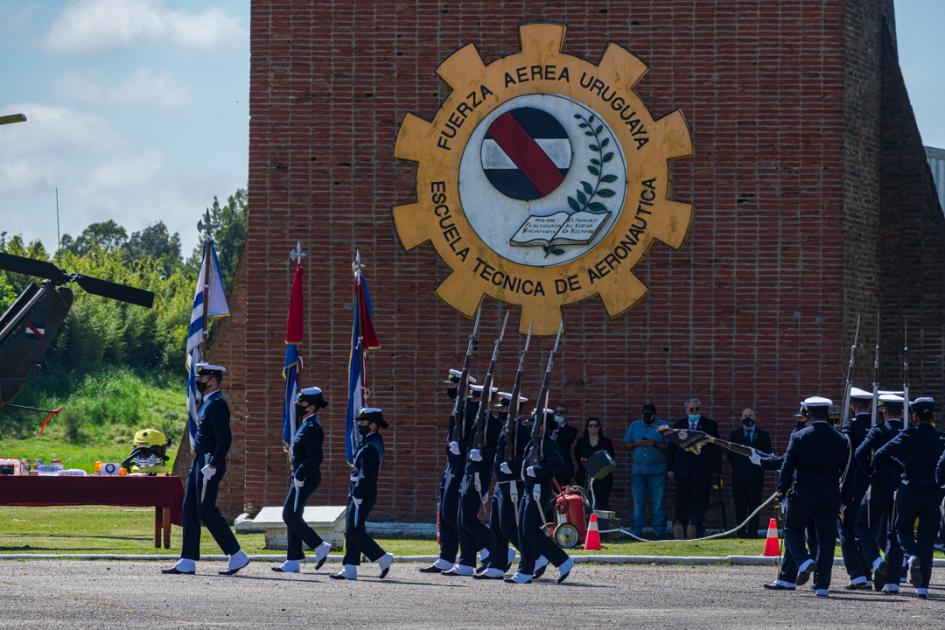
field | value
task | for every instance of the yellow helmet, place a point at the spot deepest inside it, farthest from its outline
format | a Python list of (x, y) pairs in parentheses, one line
[(150, 437)]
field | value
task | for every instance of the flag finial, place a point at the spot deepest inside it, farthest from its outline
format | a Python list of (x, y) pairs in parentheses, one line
[(297, 254), (356, 266), (205, 224)]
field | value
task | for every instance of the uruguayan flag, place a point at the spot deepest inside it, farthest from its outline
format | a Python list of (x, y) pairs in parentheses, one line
[(216, 297)]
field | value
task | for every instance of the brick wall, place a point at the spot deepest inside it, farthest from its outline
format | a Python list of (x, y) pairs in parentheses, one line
[(749, 312)]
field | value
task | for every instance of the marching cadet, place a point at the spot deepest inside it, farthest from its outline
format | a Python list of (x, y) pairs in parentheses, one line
[(456, 450), (814, 462), (211, 445), (542, 460), (919, 448), (875, 522), (306, 451), (856, 427), (474, 535), (362, 496), (503, 515)]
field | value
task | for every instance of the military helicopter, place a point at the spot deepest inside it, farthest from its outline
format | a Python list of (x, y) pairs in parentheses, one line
[(33, 320)]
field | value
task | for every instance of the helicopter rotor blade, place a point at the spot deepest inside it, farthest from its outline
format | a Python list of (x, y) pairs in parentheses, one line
[(115, 291), (31, 267)]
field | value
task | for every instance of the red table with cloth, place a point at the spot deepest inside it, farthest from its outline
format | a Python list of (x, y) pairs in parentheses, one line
[(166, 494)]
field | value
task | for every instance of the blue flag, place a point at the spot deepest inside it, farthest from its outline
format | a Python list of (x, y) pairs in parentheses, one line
[(363, 338), (290, 371)]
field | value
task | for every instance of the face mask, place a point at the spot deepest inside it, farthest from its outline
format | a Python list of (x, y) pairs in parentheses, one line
[(694, 417), (559, 418), (300, 411), (748, 422), (364, 429), (647, 418), (202, 386), (451, 392)]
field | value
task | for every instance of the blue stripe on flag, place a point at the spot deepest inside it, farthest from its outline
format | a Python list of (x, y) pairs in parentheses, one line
[(192, 423), (354, 391), (291, 374)]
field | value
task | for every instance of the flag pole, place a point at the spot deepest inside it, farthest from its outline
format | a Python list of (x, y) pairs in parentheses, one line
[(205, 226)]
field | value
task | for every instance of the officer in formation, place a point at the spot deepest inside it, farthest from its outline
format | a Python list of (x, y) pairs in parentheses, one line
[(362, 496), (211, 446), (306, 452), (814, 463), (456, 448), (542, 460), (503, 513), (855, 428), (919, 449)]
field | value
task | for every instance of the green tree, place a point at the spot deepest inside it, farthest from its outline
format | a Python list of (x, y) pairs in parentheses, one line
[(107, 235), (155, 243)]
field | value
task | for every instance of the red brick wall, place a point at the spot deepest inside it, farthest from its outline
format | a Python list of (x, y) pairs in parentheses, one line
[(749, 312)]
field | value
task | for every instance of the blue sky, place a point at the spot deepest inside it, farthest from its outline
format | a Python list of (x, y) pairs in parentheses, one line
[(138, 109)]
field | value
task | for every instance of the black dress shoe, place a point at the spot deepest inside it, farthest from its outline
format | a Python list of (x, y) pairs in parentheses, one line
[(804, 576), (539, 572), (774, 586), (176, 571), (431, 569), (234, 571), (879, 575)]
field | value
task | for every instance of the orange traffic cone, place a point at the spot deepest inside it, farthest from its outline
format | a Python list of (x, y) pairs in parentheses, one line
[(772, 543), (592, 539)]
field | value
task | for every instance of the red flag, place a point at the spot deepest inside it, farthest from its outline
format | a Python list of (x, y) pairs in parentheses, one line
[(369, 339), (294, 324)]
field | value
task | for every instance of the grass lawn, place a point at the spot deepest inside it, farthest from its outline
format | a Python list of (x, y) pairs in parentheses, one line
[(130, 530)]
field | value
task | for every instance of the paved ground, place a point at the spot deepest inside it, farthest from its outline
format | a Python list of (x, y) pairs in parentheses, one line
[(76, 594)]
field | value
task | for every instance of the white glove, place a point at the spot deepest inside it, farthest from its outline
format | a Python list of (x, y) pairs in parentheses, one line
[(208, 472), (356, 500), (475, 455), (298, 483), (504, 467), (454, 448), (530, 471), (784, 507), (755, 458), (536, 493)]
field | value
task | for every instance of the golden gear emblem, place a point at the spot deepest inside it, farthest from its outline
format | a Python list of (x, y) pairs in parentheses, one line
[(543, 179)]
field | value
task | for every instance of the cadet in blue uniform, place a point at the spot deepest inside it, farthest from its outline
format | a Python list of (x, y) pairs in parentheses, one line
[(503, 515), (448, 508), (856, 427), (362, 496), (875, 522), (212, 443), (919, 448), (306, 450), (474, 535), (541, 462), (814, 462)]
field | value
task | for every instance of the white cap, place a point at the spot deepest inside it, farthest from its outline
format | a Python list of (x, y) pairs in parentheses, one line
[(896, 392), (479, 388), (505, 399), (203, 366), (311, 391), (455, 375), (816, 401), (923, 400), (895, 399), (860, 394)]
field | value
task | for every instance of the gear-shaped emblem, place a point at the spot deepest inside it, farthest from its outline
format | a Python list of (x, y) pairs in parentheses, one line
[(543, 179)]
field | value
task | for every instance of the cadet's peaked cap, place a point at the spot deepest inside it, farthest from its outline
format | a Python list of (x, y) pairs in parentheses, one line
[(892, 399), (860, 394), (313, 395), (897, 392), (505, 399), (455, 375), (923, 403), (203, 367), (816, 401), (478, 388), (373, 414)]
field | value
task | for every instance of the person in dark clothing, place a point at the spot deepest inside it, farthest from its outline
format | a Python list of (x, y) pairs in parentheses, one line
[(211, 446), (306, 452), (564, 435), (921, 449), (541, 461), (456, 448), (747, 479), (875, 525), (592, 441), (362, 496), (855, 428), (813, 466), (694, 474)]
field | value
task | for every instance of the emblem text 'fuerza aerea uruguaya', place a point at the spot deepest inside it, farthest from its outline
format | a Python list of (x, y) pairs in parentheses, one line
[(543, 179)]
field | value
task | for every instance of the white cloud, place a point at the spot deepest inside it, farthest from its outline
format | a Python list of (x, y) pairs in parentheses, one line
[(125, 171), (23, 175), (142, 87), (55, 129), (97, 25)]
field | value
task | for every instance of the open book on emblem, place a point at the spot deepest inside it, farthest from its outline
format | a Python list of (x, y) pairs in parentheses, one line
[(560, 228)]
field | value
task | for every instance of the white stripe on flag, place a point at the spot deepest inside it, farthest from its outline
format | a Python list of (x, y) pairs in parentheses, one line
[(216, 299), (558, 149)]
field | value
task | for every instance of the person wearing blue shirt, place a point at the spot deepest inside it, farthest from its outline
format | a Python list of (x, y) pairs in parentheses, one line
[(649, 469)]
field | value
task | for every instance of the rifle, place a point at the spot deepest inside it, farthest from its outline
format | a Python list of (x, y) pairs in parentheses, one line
[(459, 409), (874, 409), (538, 426), (905, 375), (845, 414), (482, 415), (511, 423), (693, 441)]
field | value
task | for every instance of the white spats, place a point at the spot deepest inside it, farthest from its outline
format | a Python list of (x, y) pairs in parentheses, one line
[(186, 565), (290, 566), (384, 562)]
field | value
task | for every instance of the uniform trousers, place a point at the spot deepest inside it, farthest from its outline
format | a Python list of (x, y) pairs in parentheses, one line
[(449, 515), (473, 533), (357, 540), (818, 503), (850, 547), (692, 501), (875, 528), (206, 512), (298, 530), (503, 523), (533, 540), (918, 501)]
